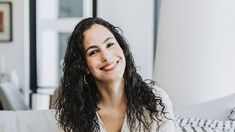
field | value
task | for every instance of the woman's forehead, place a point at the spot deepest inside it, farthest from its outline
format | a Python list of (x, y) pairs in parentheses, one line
[(96, 34), (97, 29)]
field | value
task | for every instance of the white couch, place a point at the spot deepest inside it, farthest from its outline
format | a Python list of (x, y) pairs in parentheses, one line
[(44, 121), (28, 121)]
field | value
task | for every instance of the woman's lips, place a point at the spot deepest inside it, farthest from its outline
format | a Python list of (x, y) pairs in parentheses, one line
[(109, 66)]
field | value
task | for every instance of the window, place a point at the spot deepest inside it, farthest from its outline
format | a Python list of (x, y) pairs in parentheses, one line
[(55, 22)]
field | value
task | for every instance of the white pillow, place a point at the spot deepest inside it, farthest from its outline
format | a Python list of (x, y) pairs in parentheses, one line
[(217, 109)]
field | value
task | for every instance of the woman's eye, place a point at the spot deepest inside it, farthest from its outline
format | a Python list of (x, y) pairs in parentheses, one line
[(110, 44), (94, 52)]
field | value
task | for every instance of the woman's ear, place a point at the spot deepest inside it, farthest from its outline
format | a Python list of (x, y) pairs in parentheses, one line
[(88, 71)]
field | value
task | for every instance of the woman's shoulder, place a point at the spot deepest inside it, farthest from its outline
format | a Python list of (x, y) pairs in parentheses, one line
[(160, 92), (169, 125)]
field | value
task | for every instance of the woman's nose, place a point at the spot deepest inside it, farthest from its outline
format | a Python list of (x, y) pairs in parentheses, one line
[(106, 55)]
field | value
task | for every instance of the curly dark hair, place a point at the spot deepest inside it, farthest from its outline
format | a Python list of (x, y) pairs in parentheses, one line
[(77, 101)]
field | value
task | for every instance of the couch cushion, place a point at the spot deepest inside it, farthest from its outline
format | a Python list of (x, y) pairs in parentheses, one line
[(28, 121), (7, 121)]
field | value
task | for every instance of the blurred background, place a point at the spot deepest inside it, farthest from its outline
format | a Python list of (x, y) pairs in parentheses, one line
[(187, 46)]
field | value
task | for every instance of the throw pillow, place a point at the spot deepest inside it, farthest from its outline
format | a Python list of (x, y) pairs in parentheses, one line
[(205, 125), (232, 115)]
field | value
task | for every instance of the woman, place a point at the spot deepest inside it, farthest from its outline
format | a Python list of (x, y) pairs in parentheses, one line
[(101, 90)]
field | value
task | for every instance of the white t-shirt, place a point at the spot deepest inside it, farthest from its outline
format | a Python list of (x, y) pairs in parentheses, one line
[(167, 126)]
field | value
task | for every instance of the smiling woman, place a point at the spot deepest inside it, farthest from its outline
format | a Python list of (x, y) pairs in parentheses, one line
[(101, 89)]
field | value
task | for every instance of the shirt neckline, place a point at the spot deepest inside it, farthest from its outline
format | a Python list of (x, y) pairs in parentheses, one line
[(124, 125)]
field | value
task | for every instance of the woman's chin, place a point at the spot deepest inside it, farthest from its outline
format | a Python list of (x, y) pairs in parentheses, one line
[(110, 78)]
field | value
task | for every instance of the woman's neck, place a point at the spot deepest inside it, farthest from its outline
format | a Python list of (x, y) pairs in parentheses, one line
[(112, 94)]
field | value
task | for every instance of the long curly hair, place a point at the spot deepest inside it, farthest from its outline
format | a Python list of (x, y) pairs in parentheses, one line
[(76, 105)]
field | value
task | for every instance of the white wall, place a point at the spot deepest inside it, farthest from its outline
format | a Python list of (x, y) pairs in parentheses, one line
[(196, 49), (14, 51), (135, 18)]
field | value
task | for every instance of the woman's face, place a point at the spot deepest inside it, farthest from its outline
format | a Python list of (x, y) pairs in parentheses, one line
[(104, 56)]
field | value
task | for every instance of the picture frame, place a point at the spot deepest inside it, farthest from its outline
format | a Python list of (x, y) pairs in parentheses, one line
[(5, 21)]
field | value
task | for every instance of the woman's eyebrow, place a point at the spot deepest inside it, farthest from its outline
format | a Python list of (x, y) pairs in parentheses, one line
[(94, 46), (107, 39), (91, 47)]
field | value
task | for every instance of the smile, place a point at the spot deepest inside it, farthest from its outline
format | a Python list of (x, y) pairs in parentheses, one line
[(109, 66)]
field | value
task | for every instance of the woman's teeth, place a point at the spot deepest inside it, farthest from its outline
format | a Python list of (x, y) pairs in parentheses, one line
[(109, 67)]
